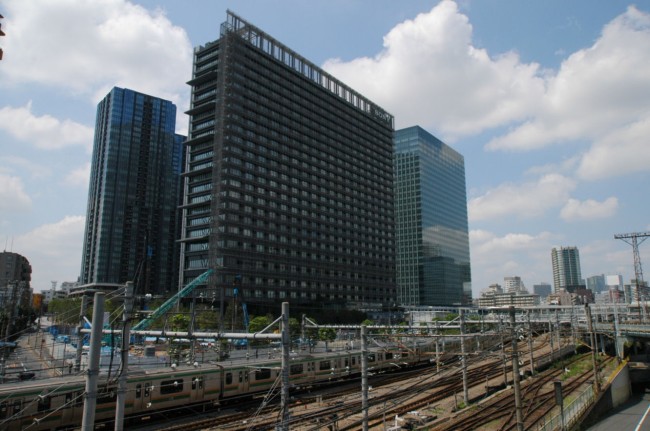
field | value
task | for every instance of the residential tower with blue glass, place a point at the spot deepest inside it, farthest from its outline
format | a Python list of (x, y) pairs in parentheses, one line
[(134, 193)]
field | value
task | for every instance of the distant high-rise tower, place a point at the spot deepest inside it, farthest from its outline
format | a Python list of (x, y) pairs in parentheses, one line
[(288, 183), (566, 268), (513, 284), (131, 221), (433, 266)]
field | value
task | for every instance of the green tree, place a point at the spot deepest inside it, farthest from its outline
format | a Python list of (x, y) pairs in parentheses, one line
[(207, 319), (258, 323), (179, 322), (326, 334)]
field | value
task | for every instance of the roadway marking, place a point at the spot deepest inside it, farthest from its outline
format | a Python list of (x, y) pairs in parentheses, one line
[(638, 427)]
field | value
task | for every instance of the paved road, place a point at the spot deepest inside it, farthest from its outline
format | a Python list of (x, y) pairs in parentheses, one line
[(631, 416)]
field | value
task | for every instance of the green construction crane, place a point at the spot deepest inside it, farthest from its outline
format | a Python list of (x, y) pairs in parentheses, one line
[(144, 323)]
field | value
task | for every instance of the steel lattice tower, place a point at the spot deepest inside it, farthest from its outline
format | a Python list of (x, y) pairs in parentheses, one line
[(634, 239)]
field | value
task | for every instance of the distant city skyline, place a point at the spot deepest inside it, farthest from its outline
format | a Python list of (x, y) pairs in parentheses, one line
[(547, 101)]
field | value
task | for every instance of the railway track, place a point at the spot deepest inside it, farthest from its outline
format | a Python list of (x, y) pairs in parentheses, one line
[(537, 400), (406, 391)]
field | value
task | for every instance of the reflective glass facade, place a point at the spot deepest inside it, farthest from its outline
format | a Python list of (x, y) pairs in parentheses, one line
[(433, 265), (288, 180), (133, 197)]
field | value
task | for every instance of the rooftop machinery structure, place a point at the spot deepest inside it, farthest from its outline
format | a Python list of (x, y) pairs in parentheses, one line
[(633, 240)]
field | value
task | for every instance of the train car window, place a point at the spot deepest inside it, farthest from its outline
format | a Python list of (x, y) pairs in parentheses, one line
[(68, 398), (347, 362), (263, 374), (405, 354), (354, 360), (44, 403), (18, 406), (241, 376), (106, 397), (79, 399), (3, 410), (228, 378), (171, 386), (195, 380), (371, 357), (138, 390), (324, 365), (200, 382), (245, 376), (147, 390), (389, 355), (296, 369)]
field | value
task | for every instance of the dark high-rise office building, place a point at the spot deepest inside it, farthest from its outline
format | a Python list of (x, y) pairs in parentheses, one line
[(131, 220), (288, 181), (433, 266)]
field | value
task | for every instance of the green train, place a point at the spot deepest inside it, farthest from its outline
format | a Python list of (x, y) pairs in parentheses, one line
[(58, 403)]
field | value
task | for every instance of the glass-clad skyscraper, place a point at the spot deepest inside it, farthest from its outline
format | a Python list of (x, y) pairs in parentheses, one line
[(433, 266), (288, 180), (133, 197)]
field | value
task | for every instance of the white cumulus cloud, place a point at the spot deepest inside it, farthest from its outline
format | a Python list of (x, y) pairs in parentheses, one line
[(531, 199), (576, 210), (90, 46), (430, 74), (53, 250), (78, 177), (12, 195), (603, 90), (622, 151), (512, 254), (44, 132)]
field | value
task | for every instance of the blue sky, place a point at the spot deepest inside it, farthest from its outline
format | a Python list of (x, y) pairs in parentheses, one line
[(549, 102)]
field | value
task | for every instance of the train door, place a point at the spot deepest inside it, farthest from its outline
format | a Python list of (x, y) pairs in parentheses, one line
[(243, 381), (197, 388), (68, 408), (142, 397)]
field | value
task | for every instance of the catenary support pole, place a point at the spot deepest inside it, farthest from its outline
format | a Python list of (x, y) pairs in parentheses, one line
[(463, 357), (364, 377), (80, 339), (88, 419), (594, 348), (530, 345), (284, 397), (124, 356), (515, 371), (503, 353), (437, 347)]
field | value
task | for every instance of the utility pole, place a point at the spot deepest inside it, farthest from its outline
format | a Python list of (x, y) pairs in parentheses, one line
[(515, 371), (88, 419), (82, 314), (124, 354)]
